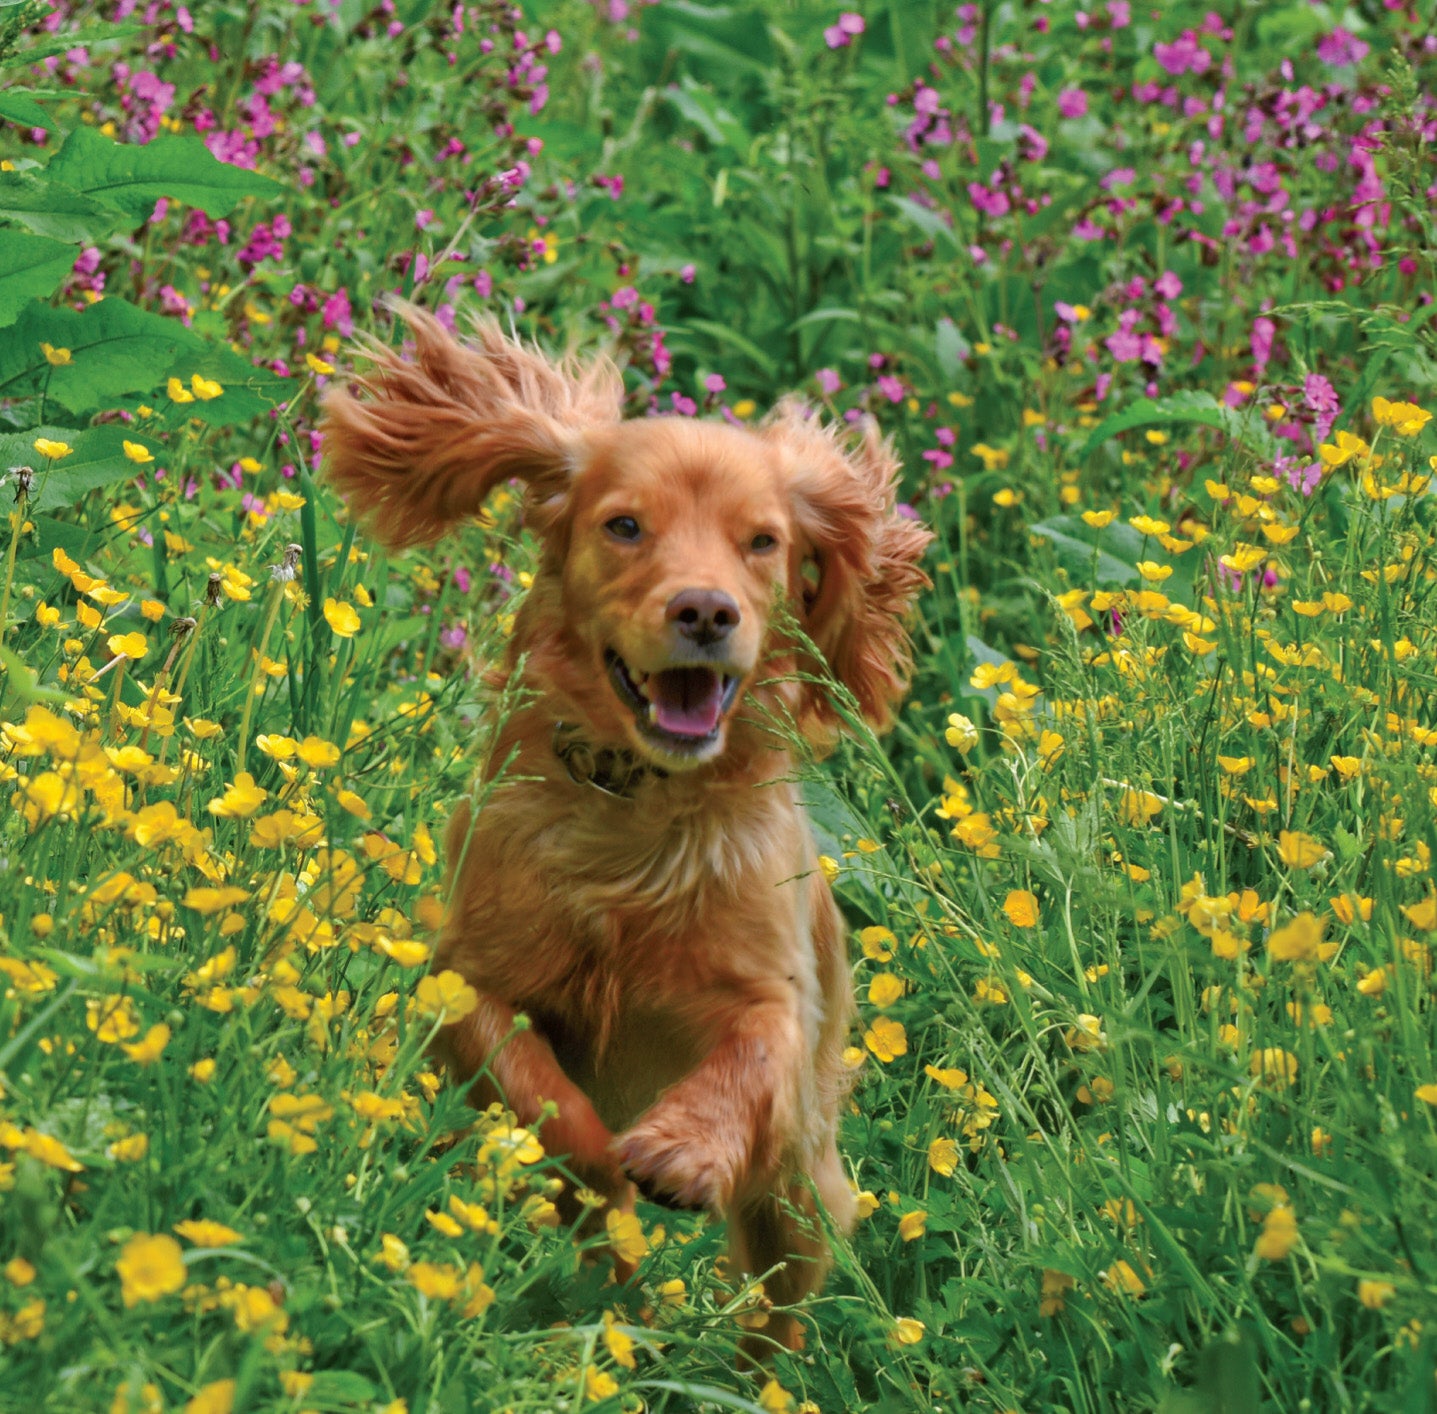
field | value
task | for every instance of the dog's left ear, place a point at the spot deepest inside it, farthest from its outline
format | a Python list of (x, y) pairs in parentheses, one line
[(417, 443), (865, 556)]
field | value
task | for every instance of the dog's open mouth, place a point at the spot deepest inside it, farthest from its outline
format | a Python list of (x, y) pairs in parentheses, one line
[(681, 708)]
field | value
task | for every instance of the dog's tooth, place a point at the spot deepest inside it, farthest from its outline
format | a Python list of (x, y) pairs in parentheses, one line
[(653, 712)]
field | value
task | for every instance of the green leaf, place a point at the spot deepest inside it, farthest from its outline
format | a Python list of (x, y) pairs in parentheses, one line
[(929, 222), (1092, 557), (115, 347), (17, 105), (63, 43), (249, 391), (97, 458), (30, 268), (952, 348), (135, 177), (720, 40), (700, 1393), (77, 541), (723, 334), (340, 1387), (21, 680), (1186, 407), (50, 208)]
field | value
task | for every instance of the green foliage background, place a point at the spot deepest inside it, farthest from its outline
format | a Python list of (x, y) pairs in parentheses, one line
[(1141, 883)]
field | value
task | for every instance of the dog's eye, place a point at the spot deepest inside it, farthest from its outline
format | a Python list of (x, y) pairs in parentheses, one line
[(623, 528), (760, 543)]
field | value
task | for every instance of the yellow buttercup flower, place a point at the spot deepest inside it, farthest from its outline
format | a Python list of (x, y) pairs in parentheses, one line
[(49, 1151), (887, 1039), (151, 1267), (127, 645), (204, 1232), (341, 618), (1123, 1280), (1297, 941), (1274, 1067), (1279, 1234), (950, 1079), (619, 1342), (446, 993), (1021, 906), (960, 733), (1375, 1294), (1406, 419), (943, 1157), (137, 452), (885, 989), (1299, 851), (218, 1397), (150, 1046), (52, 450), (626, 1236), (1343, 449), (239, 801)]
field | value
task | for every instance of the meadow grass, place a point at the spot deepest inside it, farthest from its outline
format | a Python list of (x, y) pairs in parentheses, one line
[(1145, 1073)]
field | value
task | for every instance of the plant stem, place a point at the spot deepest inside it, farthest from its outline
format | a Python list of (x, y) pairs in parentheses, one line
[(276, 594)]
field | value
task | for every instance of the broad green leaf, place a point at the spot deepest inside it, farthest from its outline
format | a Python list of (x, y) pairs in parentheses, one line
[(115, 349), (1092, 557), (340, 1387), (249, 391), (30, 268), (97, 458), (991, 151), (77, 541), (17, 105), (50, 208), (136, 176), (706, 113), (700, 1394), (1186, 407), (728, 41), (118, 351), (725, 335), (62, 43), (952, 348), (21, 679), (929, 222)]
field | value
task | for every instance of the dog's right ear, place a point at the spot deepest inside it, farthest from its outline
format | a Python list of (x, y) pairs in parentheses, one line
[(417, 444)]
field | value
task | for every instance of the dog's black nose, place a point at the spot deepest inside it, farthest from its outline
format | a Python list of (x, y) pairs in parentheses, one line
[(703, 616)]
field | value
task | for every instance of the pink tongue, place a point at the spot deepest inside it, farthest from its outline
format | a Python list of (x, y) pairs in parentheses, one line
[(687, 701)]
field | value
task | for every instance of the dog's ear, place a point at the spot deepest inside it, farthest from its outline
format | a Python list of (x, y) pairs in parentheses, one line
[(864, 560), (418, 442)]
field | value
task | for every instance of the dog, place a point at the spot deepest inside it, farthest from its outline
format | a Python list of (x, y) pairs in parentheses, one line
[(641, 881)]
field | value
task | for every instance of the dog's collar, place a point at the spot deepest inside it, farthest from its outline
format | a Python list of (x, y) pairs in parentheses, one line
[(610, 769)]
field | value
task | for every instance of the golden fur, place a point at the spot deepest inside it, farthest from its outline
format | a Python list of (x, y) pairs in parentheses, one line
[(676, 948)]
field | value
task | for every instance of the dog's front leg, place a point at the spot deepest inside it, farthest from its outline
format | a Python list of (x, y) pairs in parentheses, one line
[(526, 1075), (723, 1128)]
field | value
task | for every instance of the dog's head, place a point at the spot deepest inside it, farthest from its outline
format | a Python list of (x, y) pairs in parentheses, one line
[(669, 541)]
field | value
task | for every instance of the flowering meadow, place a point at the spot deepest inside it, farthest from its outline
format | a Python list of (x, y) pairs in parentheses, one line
[(1141, 886)]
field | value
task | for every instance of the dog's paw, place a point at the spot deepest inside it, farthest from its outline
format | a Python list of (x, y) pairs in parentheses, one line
[(672, 1160)]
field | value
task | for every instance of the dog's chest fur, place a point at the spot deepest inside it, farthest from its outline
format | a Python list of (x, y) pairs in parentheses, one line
[(626, 928)]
